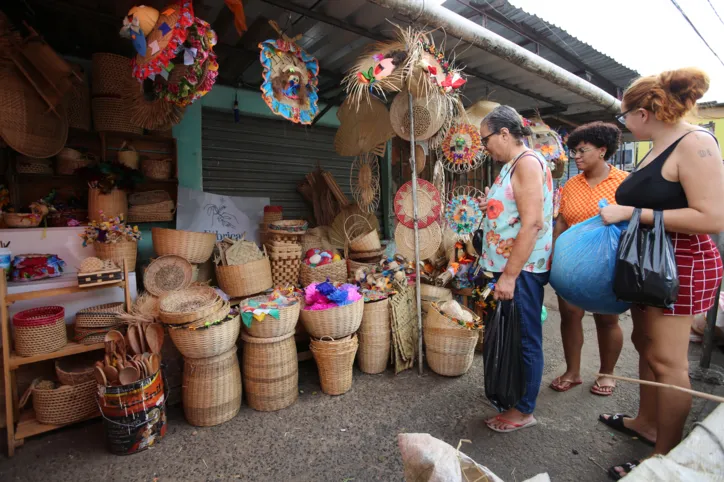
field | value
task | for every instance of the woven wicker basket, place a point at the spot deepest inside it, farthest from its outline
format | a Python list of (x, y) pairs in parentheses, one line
[(195, 247), (245, 279), (65, 404), (335, 272), (110, 73), (272, 327), (271, 372), (74, 373), (273, 213), (374, 337), (335, 361), (101, 316), (366, 242), (335, 322), (26, 167), (146, 217), (68, 160), (211, 390), (206, 342), (40, 330), (21, 220), (113, 204), (449, 348), (109, 115), (157, 169), (128, 156), (93, 335), (189, 304), (118, 253)]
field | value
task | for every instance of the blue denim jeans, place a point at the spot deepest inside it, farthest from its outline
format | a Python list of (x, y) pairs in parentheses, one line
[(528, 298)]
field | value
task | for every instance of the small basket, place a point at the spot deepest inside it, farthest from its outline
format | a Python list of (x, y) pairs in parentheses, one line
[(68, 160), (336, 322), (353, 266), (40, 330), (361, 239), (21, 220), (272, 327), (157, 169), (74, 372), (335, 361), (270, 371), (101, 316), (245, 279), (118, 253), (207, 342), (110, 115), (194, 247), (449, 347), (375, 337), (91, 336), (272, 214), (335, 271), (65, 404), (128, 155)]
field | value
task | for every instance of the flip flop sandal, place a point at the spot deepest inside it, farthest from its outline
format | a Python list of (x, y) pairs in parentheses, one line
[(628, 467), (557, 386), (515, 426), (602, 390), (616, 423)]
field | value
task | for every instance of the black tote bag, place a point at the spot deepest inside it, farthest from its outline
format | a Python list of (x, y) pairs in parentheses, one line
[(646, 270)]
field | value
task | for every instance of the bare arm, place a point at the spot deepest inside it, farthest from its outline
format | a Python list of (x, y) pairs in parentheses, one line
[(528, 190)]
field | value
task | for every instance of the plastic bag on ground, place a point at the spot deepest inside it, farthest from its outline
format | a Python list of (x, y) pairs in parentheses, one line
[(503, 357), (584, 266)]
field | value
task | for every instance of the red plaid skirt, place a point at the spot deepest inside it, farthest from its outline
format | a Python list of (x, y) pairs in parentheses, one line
[(700, 273)]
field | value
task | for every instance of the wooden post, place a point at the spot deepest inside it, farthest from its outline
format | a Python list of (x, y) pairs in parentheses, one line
[(7, 376), (126, 287)]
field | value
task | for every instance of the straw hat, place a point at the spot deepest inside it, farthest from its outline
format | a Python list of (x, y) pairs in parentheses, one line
[(429, 115), (380, 70), (430, 239), (428, 204), (477, 112), (25, 123), (462, 148), (150, 113), (362, 127)]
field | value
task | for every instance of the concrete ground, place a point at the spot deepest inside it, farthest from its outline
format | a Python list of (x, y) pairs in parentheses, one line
[(354, 436)]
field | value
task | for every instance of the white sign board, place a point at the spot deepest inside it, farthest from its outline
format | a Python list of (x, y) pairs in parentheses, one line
[(227, 216)]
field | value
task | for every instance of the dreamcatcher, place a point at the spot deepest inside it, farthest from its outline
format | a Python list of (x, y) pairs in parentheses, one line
[(364, 177), (462, 149), (462, 213)]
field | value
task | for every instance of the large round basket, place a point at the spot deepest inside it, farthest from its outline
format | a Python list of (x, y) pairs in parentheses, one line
[(65, 404), (374, 337), (118, 253), (194, 247), (335, 271), (335, 361), (272, 327), (245, 279), (271, 372), (211, 390), (207, 342), (113, 204), (40, 330), (335, 322), (449, 347)]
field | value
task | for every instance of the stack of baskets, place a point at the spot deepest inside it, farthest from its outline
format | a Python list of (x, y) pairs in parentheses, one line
[(110, 73), (363, 249), (150, 206), (450, 343), (285, 250), (269, 362), (40, 330), (205, 330), (271, 215), (93, 323)]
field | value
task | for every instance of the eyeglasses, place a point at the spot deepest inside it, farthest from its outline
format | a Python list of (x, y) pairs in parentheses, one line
[(622, 116), (484, 140), (576, 152)]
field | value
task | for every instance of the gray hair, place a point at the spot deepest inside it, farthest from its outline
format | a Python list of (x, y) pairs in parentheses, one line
[(505, 116)]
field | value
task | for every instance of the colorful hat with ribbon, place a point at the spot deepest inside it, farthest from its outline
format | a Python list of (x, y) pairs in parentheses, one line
[(290, 80), (430, 69), (462, 148), (380, 70), (546, 142)]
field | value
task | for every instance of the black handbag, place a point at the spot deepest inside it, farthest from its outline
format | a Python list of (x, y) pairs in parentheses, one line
[(646, 271)]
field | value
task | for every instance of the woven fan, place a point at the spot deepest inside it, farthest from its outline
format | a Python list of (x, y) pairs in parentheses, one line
[(462, 148), (429, 115), (362, 127), (364, 177), (462, 213)]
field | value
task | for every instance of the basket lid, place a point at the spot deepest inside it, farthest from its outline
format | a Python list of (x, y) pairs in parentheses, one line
[(46, 315), (167, 273)]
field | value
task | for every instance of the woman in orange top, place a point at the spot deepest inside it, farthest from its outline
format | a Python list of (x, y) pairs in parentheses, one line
[(591, 145)]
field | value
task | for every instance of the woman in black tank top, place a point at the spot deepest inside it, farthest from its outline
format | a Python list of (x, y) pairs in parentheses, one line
[(682, 176)]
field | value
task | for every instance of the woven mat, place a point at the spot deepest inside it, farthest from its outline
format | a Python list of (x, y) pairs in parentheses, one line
[(404, 329)]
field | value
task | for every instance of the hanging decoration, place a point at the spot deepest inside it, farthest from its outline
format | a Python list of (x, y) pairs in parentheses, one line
[(428, 112), (379, 71), (364, 177), (362, 128), (237, 8), (546, 142), (430, 238), (289, 84), (428, 204), (462, 149), (463, 214), (475, 114)]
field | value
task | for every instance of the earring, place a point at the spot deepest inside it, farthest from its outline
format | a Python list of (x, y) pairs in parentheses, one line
[(601, 156)]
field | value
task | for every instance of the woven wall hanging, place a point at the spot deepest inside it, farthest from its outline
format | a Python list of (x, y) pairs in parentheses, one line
[(428, 204), (462, 213), (364, 177), (462, 148)]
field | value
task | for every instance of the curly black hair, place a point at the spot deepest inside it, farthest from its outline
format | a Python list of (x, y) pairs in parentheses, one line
[(599, 134)]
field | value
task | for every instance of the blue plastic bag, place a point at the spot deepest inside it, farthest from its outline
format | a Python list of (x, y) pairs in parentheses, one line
[(584, 265)]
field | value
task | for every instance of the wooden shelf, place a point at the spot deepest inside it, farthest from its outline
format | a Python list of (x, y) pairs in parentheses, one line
[(72, 348), (32, 295), (28, 426)]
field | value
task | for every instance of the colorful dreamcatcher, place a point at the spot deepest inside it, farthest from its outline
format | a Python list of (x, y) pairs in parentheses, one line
[(463, 214), (364, 177), (290, 80), (462, 149)]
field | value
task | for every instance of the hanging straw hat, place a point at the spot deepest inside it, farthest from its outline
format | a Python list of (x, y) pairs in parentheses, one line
[(462, 148), (364, 177), (428, 204), (380, 70), (430, 239), (25, 123), (362, 127), (477, 112), (149, 111), (429, 115)]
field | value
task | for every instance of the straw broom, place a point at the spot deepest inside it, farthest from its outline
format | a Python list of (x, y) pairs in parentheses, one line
[(706, 396)]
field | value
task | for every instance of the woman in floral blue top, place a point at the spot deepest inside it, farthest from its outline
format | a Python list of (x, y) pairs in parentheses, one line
[(517, 247)]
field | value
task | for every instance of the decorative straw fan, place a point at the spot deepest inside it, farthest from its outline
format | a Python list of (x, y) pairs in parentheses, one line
[(463, 213), (337, 235), (364, 177), (462, 148), (429, 115), (430, 72), (362, 127), (428, 204)]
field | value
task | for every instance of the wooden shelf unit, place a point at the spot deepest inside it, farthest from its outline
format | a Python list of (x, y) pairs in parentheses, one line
[(27, 425)]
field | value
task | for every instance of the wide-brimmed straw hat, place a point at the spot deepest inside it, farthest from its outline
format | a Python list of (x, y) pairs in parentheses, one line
[(362, 127), (477, 112), (429, 115)]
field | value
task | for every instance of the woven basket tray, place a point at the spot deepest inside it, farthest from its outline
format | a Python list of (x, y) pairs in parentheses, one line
[(335, 322), (335, 271), (101, 316), (66, 404), (245, 279), (189, 304)]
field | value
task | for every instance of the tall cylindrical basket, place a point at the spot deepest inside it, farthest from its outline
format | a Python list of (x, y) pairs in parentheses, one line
[(271, 373), (374, 337), (113, 204)]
